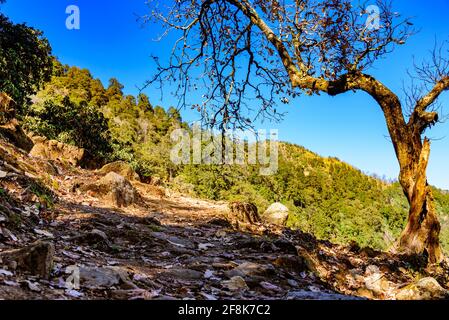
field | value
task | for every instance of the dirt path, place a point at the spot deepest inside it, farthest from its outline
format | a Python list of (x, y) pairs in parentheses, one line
[(180, 248), (172, 247), (161, 248)]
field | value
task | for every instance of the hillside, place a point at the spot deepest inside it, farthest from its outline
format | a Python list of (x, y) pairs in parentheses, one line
[(326, 197), (145, 234), (64, 237)]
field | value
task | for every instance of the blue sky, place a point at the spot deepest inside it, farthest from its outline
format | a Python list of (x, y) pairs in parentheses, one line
[(112, 43)]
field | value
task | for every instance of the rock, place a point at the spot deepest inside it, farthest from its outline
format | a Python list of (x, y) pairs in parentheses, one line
[(133, 294), (57, 151), (98, 235), (7, 108), (244, 212), (220, 222), (117, 188), (152, 221), (184, 274), (376, 283), (74, 293), (423, 289), (44, 233), (270, 287), (36, 259), (102, 277), (95, 238), (33, 286), (5, 273), (205, 246), (14, 133), (276, 214), (313, 263), (175, 241), (250, 269), (311, 295), (236, 283), (291, 262), (122, 168)]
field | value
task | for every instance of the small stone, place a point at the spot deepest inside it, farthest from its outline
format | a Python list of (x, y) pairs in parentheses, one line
[(102, 277), (251, 269), (74, 293), (185, 274), (33, 286), (235, 284), (36, 259), (309, 295), (205, 246), (208, 274), (44, 233), (4, 272), (423, 289), (292, 283), (270, 286), (208, 296)]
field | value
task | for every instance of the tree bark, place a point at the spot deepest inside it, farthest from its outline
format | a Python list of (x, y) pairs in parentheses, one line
[(421, 234)]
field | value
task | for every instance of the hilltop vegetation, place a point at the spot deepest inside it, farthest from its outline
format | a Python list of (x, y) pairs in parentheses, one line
[(77, 109), (326, 197)]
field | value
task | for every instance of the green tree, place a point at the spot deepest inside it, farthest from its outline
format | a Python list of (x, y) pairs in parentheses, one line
[(25, 61)]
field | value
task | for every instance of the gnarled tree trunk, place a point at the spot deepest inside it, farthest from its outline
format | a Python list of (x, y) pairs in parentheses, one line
[(421, 235)]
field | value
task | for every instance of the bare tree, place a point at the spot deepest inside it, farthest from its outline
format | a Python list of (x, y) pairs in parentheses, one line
[(242, 53)]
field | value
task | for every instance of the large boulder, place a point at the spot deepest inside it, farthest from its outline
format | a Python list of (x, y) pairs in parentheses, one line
[(58, 151), (122, 168), (423, 289), (115, 188), (276, 214)]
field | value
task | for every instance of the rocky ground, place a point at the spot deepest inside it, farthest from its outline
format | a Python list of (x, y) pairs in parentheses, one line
[(68, 233)]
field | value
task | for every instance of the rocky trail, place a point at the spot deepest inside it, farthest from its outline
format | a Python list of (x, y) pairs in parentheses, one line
[(68, 233)]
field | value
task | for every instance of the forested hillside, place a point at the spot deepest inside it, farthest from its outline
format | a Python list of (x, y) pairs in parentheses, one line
[(326, 197)]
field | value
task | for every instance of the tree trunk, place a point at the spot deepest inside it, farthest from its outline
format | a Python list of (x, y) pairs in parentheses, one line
[(421, 235)]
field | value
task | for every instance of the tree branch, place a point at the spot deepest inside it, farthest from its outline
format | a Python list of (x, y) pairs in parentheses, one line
[(421, 118)]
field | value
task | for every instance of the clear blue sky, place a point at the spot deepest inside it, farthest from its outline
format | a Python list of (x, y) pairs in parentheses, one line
[(111, 43)]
